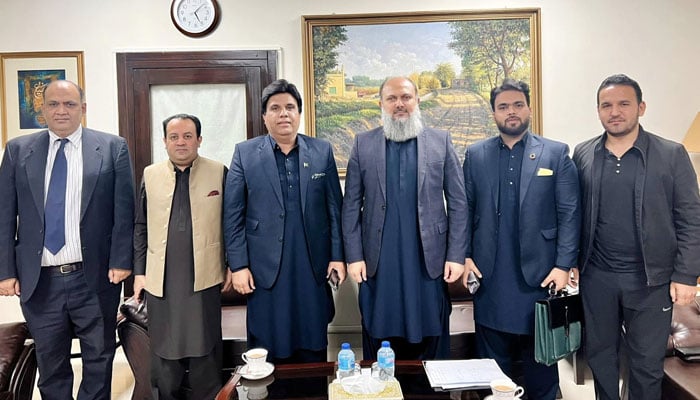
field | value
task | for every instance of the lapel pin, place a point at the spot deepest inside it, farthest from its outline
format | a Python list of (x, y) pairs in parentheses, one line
[(306, 165), (532, 156)]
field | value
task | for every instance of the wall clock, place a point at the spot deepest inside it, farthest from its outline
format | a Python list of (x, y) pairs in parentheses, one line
[(195, 18)]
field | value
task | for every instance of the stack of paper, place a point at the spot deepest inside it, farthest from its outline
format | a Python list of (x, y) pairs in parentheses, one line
[(462, 374)]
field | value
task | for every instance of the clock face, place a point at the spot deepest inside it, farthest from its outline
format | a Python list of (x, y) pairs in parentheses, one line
[(195, 17)]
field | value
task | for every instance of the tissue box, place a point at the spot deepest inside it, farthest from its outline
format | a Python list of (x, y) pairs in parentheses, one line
[(392, 391)]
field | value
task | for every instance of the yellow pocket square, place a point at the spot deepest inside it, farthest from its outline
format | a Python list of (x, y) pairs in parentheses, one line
[(545, 172)]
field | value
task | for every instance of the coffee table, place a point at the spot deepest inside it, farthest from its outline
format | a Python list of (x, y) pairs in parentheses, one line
[(310, 381)]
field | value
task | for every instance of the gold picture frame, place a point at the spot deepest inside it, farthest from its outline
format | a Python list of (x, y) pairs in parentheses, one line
[(345, 58), (22, 76)]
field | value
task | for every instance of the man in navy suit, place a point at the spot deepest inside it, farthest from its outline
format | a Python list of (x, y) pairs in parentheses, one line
[(402, 243), (282, 204), (522, 236), (67, 263)]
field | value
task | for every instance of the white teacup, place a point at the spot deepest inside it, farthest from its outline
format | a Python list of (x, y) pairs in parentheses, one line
[(255, 359), (505, 389)]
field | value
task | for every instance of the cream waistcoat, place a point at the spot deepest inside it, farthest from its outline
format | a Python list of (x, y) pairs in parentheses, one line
[(206, 202)]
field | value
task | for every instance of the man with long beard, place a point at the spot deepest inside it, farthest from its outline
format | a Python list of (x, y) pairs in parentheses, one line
[(401, 244), (522, 235)]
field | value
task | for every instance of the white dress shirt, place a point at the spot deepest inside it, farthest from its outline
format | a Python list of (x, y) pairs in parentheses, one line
[(71, 252)]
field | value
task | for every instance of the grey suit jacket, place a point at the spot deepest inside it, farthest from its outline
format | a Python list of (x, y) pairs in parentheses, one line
[(442, 230), (549, 213), (106, 215)]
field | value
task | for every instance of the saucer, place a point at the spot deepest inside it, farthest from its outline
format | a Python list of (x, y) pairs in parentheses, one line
[(263, 373)]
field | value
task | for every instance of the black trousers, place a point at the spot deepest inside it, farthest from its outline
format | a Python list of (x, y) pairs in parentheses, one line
[(541, 382), (203, 376), (64, 306), (610, 301)]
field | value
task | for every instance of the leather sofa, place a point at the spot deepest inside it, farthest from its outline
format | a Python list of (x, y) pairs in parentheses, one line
[(17, 362), (681, 378)]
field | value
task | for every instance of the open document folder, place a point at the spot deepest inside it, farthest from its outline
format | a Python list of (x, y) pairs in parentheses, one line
[(462, 374)]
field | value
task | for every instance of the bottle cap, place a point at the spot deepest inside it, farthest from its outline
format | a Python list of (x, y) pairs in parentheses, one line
[(385, 343), (345, 346)]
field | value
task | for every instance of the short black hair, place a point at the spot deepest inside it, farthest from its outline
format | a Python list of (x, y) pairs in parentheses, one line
[(197, 124), (620, 79), (277, 87), (510, 84)]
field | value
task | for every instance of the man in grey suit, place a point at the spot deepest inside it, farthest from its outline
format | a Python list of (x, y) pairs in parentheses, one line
[(66, 229), (524, 219), (401, 244), (282, 206)]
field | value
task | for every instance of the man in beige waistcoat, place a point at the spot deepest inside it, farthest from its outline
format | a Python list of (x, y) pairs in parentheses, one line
[(179, 261)]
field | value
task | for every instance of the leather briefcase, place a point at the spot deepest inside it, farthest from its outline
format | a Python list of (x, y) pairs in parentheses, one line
[(558, 327)]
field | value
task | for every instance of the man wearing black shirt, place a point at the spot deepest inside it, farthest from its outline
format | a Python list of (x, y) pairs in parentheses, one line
[(640, 241)]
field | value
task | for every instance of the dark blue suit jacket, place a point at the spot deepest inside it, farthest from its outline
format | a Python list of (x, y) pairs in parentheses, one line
[(254, 208), (549, 207), (442, 226), (106, 215)]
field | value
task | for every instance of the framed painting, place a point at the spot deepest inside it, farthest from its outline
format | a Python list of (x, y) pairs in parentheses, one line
[(23, 77), (455, 58)]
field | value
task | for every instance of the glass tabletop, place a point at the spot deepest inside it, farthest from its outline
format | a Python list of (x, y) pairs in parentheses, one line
[(310, 381)]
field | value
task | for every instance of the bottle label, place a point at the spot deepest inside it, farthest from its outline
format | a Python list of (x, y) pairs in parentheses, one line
[(386, 362), (346, 363)]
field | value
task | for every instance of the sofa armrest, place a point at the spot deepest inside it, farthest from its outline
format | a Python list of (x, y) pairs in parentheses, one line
[(685, 327), (24, 375)]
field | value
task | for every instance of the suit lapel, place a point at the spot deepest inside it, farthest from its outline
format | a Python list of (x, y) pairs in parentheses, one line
[(35, 162), (269, 165), (92, 165), (422, 158), (490, 162), (596, 172), (531, 159), (305, 160), (377, 151)]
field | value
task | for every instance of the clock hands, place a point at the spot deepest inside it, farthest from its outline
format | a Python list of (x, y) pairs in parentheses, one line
[(197, 11)]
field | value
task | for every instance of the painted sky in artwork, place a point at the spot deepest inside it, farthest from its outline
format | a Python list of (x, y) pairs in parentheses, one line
[(384, 50)]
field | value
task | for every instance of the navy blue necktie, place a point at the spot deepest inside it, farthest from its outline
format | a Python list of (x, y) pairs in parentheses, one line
[(55, 209)]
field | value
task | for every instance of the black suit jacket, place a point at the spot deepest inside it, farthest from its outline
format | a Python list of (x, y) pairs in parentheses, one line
[(667, 206)]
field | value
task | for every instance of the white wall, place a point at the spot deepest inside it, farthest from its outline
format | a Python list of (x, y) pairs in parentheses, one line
[(582, 43)]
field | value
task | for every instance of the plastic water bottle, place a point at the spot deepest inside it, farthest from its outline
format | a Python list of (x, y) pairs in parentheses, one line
[(386, 362), (346, 361)]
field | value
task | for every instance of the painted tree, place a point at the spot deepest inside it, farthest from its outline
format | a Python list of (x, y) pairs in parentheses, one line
[(445, 72), (326, 40), (498, 48)]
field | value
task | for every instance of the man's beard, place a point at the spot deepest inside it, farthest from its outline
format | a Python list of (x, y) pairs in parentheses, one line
[(402, 130), (516, 131)]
